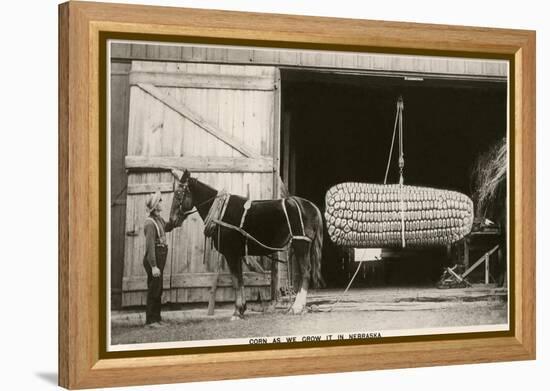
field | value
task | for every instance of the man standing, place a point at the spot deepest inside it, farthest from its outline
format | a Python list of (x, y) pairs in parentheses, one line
[(156, 249)]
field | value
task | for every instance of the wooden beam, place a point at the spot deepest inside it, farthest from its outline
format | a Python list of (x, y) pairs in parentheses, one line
[(479, 261), (203, 80), (198, 280), (198, 120), (466, 252), (199, 163), (144, 188), (486, 269)]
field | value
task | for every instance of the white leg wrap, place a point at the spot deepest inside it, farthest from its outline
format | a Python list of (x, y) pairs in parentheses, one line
[(299, 302)]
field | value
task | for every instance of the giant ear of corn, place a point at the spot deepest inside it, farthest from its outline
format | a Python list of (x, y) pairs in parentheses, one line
[(372, 215)]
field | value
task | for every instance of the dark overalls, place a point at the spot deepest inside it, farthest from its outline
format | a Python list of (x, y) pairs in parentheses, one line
[(156, 250)]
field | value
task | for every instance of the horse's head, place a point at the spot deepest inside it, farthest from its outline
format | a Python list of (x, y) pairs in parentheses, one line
[(183, 198)]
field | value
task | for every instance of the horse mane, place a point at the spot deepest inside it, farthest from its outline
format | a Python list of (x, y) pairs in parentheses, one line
[(196, 182), (203, 192)]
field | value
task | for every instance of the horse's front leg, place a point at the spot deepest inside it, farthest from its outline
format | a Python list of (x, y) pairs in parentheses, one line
[(301, 254), (236, 268)]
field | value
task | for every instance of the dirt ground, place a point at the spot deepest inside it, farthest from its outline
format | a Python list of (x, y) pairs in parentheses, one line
[(328, 313)]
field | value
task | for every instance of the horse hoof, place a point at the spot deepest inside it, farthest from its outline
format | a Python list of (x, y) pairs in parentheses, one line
[(235, 317), (296, 311)]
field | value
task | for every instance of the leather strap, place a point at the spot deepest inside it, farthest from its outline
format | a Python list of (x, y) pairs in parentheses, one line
[(157, 227)]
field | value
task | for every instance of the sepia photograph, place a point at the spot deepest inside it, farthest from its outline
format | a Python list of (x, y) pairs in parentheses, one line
[(277, 196)]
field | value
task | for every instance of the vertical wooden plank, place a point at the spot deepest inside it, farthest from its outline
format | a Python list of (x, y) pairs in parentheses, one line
[(307, 58), (365, 61), (191, 135), (288, 57), (474, 67), (456, 66), (198, 54), (211, 112), (121, 50), (225, 116), (486, 269), (438, 65), (418, 64), (135, 121), (238, 107), (381, 62), (118, 146), (240, 55), (187, 53), (466, 253), (152, 51), (139, 51), (216, 54), (326, 59), (170, 52), (346, 60), (172, 131), (265, 56), (286, 148), (276, 134), (275, 150), (251, 134), (128, 242)]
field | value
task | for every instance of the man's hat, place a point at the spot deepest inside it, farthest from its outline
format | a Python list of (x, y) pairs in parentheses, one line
[(152, 201)]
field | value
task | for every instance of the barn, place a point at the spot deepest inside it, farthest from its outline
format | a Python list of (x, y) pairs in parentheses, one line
[(266, 122)]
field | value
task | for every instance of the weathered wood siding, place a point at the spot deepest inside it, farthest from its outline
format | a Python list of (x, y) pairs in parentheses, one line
[(239, 99), (120, 98), (444, 66), (217, 120)]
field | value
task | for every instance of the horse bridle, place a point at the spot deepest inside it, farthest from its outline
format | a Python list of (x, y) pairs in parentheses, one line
[(195, 207)]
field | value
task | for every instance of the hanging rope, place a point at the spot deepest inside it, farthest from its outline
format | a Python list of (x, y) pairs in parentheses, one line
[(392, 142), (347, 288), (400, 107), (398, 124)]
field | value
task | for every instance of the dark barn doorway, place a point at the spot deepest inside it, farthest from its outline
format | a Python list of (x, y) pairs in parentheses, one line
[(337, 127)]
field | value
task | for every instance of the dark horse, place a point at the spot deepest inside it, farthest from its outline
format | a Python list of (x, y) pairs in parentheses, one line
[(266, 227)]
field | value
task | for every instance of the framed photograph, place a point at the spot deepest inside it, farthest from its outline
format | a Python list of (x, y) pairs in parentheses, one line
[(247, 195)]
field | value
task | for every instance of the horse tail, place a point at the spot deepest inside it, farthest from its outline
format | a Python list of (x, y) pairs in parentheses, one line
[(316, 249)]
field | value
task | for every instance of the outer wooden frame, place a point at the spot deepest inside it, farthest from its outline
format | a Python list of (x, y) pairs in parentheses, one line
[(80, 365)]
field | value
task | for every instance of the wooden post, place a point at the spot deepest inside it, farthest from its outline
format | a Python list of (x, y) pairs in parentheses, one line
[(466, 253), (286, 148), (274, 281), (486, 269)]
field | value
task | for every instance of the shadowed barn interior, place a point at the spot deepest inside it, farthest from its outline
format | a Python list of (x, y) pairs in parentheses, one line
[(338, 127)]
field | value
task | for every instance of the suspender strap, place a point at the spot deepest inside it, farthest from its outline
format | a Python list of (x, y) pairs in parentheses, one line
[(158, 230), (156, 225)]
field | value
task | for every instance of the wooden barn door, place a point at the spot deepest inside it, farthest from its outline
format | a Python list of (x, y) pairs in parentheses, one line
[(221, 123)]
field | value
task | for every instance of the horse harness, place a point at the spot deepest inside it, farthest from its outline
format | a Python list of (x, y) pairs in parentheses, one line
[(217, 213)]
